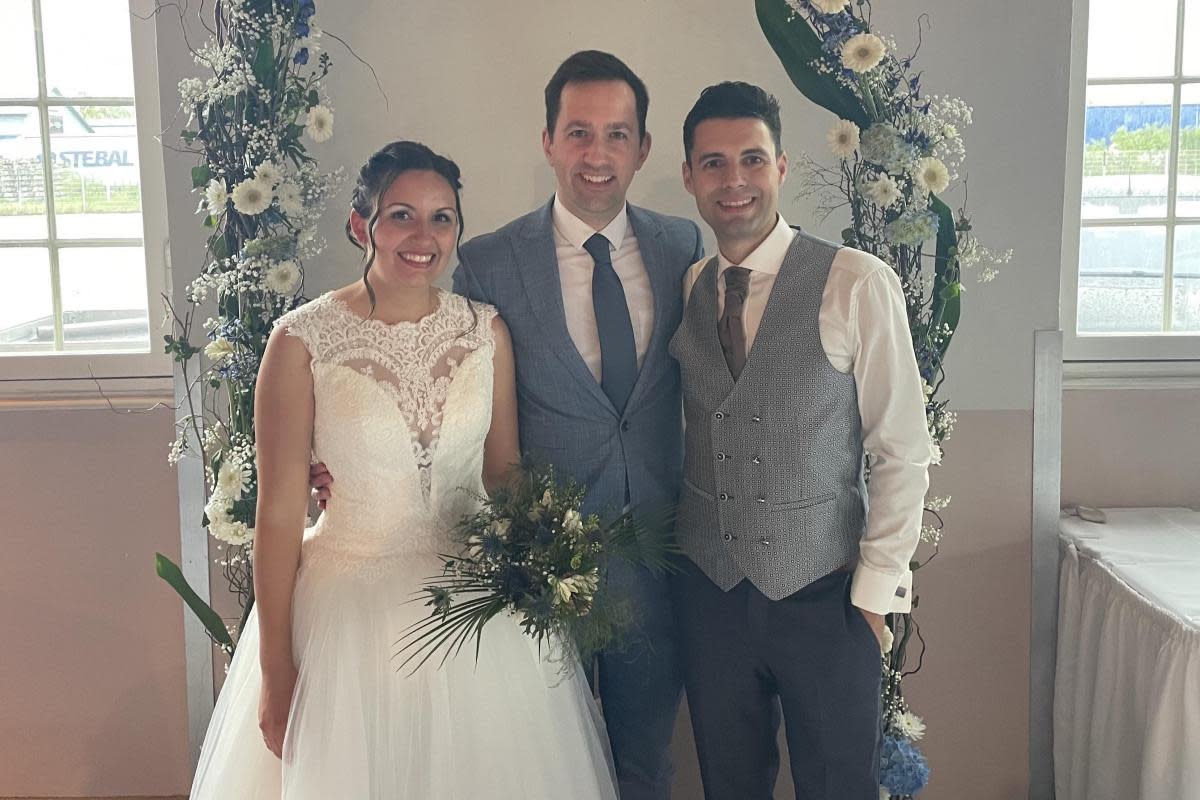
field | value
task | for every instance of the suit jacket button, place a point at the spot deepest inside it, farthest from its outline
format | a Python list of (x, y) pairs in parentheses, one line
[(756, 418), (761, 499), (718, 416), (721, 456), (722, 496), (764, 542), (727, 537), (756, 460), (625, 426)]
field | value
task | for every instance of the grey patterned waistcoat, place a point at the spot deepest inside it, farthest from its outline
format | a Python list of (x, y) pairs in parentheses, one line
[(773, 488)]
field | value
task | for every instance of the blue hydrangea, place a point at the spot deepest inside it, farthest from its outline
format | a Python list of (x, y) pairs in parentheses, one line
[(902, 768), (882, 144), (911, 228)]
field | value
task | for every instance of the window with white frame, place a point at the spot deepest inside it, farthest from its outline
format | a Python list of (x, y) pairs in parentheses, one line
[(73, 276), (1136, 290)]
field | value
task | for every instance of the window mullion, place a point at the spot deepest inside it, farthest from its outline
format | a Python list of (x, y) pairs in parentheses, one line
[(1173, 167), (48, 176)]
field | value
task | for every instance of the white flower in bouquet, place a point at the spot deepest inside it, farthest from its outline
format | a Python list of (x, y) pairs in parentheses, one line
[(232, 479), (565, 588), (291, 202), (268, 172), (885, 793), (232, 532), (572, 521), (882, 191), (829, 6), (216, 196), (252, 196), (862, 52), (935, 453), (191, 90), (283, 277), (887, 640), (843, 138), (218, 349), (547, 499), (931, 175), (319, 124), (909, 725), (217, 508)]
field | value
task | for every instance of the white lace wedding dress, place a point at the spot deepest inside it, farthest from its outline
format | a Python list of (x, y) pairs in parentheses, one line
[(401, 415)]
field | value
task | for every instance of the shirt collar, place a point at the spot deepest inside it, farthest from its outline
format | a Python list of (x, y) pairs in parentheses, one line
[(576, 231), (769, 254)]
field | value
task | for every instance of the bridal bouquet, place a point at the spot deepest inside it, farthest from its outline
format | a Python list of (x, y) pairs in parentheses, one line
[(529, 551)]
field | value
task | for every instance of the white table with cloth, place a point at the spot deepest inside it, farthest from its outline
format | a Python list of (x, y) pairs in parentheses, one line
[(1127, 683)]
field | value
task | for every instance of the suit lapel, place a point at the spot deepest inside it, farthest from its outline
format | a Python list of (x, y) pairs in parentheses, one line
[(534, 246), (663, 287)]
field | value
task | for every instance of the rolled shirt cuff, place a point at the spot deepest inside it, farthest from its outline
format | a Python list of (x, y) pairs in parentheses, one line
[(881, 592)]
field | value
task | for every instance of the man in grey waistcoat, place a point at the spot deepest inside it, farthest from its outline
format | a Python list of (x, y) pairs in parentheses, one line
[(796, 357)]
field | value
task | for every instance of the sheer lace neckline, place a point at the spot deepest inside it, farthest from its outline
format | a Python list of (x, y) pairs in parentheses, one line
[(344, 307)]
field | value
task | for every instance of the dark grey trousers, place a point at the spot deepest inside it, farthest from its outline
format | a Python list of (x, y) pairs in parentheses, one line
[(747, 658)]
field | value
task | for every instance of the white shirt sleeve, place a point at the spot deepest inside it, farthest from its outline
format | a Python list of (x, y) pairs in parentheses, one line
[(872, 319)]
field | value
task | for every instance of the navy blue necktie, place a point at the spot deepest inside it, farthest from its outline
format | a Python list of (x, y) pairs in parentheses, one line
[(618, 353)]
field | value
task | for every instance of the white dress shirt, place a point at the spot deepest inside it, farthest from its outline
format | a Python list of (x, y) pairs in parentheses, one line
[(575, 267), (864, 330)]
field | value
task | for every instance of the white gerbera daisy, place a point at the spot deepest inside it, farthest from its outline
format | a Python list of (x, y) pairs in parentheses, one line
[(282, 278), (931, 175), (843, 138), (829, 6), (909, 725), (319, 125), (863, 52), (252, 196), (216, 195), (232, 479), (218, 349), (882, 191), (268, 172), (885, 793), (290, 200)]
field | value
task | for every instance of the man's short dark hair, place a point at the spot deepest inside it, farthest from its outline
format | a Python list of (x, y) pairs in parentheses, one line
[(733, 100), (588, 66)]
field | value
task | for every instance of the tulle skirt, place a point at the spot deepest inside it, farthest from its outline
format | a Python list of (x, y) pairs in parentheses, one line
[(508, 725)]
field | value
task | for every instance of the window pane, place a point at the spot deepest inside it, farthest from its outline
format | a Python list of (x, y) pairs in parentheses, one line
[(104, 298), (1131, 41), (95, 172), (1187, 188), (26, 304), (88, 53), (1128, 139), (1185, 299), (1191, 38), (1121, 279), (18, 53), (22, 181)]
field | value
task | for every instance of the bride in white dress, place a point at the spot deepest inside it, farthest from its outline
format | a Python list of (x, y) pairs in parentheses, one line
[(407, 392)]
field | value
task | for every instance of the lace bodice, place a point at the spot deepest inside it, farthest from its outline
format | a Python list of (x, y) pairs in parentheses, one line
[(401, 413)]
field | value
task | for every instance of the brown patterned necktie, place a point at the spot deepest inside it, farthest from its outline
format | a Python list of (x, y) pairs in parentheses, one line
[(730, 329)]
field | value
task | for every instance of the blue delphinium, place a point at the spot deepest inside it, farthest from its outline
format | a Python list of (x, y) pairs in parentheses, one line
[(902, 768)]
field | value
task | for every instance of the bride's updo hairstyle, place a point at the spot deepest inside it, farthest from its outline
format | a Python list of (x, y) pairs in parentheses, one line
[(377, 175)]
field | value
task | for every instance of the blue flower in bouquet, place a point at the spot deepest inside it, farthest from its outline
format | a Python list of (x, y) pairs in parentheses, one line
[(911, 228), (301, 56), (902, 768), (302, 28)]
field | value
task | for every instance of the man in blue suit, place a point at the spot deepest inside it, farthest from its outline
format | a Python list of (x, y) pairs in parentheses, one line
[(590, 289)]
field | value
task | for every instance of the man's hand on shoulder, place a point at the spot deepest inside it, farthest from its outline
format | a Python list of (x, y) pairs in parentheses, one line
[(320, 480)]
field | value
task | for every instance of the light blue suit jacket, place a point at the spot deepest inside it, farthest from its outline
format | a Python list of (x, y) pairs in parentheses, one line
[(565, 417)]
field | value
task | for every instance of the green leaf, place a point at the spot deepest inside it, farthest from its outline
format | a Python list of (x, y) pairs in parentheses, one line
[(201, 176), (313, 98), (264, 64), (210, 221), (951, 290), (946, 309), (169, 572), (797, 46), (218, 247)]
